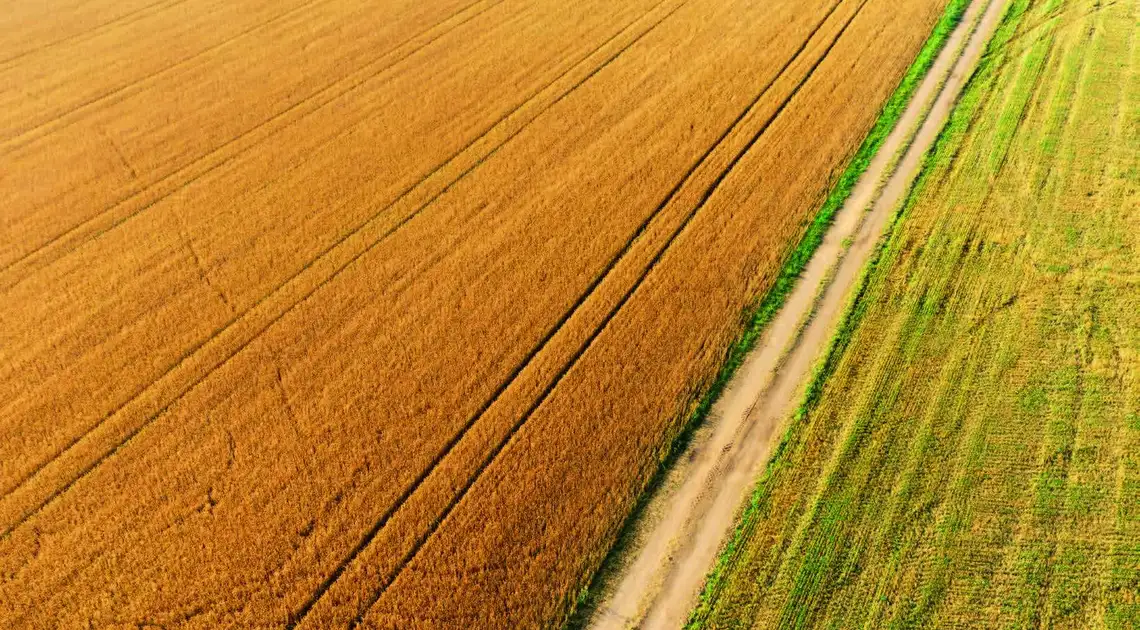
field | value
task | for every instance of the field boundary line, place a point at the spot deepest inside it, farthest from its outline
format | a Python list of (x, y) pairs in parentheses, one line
[(184, 176), (594, 335), (350, 248)]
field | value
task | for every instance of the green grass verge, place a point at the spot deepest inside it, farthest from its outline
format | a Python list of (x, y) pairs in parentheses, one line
[(758, 316)]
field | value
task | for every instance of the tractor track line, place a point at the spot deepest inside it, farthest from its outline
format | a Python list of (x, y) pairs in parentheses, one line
[(95, 232), (344, 237), (27, 135), (1030, 98), (550, 334), (975, 118), (274, 319), (584, 347), (239, 316), (126, 18)]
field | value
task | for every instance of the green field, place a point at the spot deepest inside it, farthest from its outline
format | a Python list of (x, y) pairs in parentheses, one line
[(969, 453)]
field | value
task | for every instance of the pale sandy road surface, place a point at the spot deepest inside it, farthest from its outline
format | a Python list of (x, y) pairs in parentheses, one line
[(688, 521), (291, 302)]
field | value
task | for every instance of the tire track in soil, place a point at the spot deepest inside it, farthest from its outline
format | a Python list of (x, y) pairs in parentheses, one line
[(126, 18), (106, 220), (706, 195), (233, 327), (28, 134), (550, 334)]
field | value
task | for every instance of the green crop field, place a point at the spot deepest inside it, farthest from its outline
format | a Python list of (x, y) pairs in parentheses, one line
[(968, 455)]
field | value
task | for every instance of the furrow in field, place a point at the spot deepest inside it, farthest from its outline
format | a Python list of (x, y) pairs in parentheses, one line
[(857, 465), (1029, 103), (201, 360), (129, 155), (500, 565), (1061, 538), (1119, 564), (289, 447)]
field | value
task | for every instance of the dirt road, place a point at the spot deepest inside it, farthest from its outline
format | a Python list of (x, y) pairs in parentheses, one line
[(695, 509)]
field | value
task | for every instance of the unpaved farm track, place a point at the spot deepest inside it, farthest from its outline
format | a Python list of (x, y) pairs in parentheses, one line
[(663, 574), (381, 314)]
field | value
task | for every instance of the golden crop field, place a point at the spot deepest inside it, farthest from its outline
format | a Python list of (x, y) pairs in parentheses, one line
[(383, 314), (969, 456)]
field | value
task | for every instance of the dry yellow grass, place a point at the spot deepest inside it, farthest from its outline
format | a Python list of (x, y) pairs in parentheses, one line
[(258, 338)]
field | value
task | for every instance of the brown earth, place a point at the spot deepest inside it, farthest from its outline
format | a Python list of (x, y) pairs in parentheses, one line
[(317, 313)]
